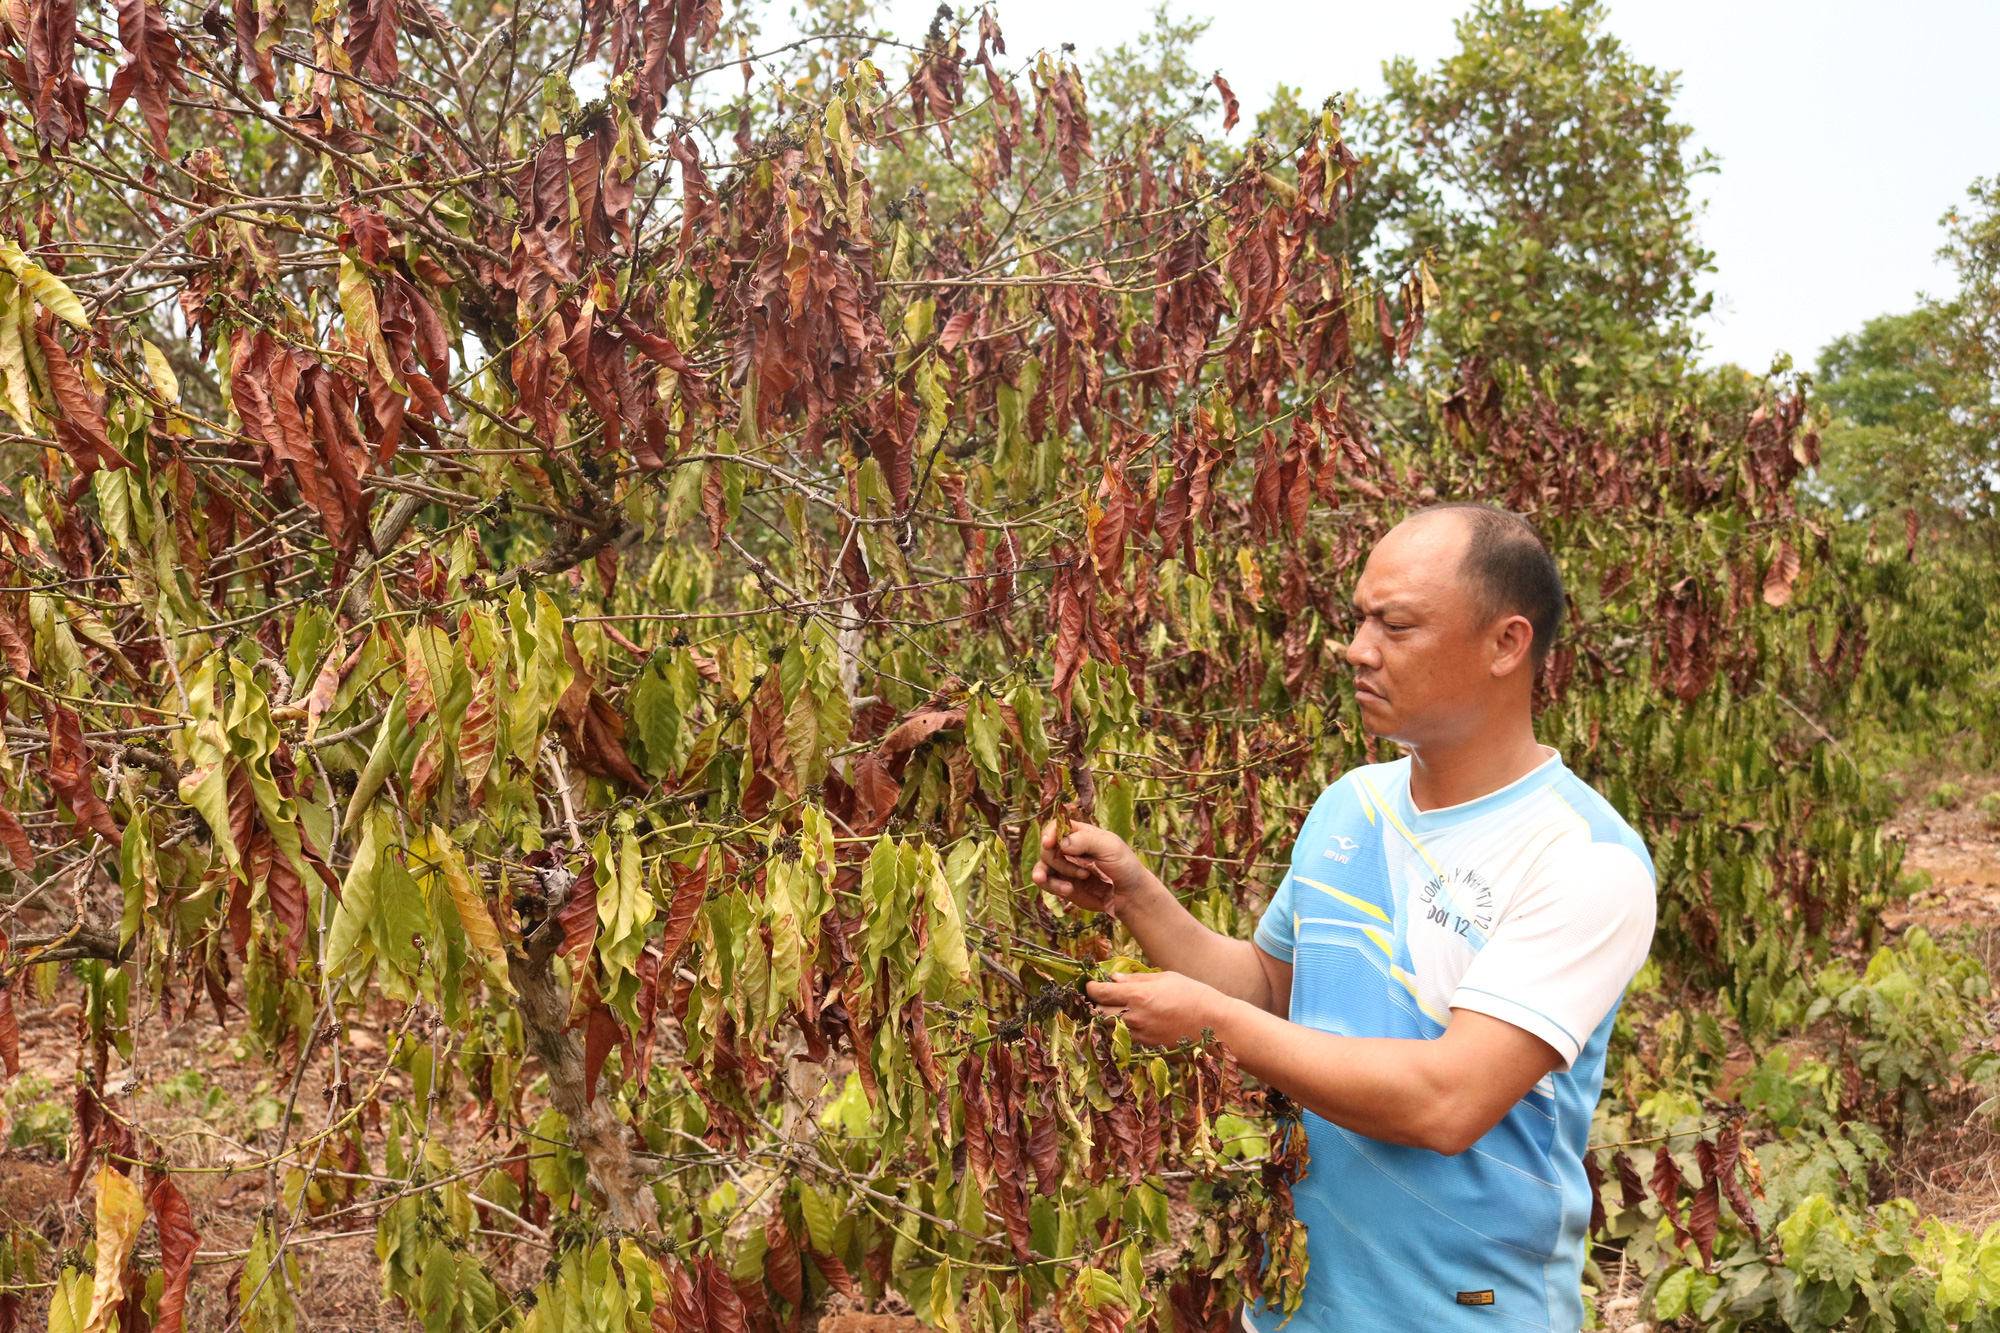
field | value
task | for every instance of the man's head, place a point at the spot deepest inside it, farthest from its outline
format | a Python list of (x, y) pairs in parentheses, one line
[(1458, 606)]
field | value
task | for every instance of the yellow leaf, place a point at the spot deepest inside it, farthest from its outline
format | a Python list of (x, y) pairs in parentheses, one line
[(120, 1210), (1130, 966), (357, 303), (45, 286), (946, 922), (944, 1298), (69, 1304), (14, 356), (480, 932), (87, 625), (162, 376)]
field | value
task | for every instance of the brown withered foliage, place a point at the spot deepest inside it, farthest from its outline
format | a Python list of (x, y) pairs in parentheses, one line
[(603, 596)]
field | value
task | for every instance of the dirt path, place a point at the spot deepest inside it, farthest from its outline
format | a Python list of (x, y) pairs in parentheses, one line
[(1957, 849), (1955, 1172)]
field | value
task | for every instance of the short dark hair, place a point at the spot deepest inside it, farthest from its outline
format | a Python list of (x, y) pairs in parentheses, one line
[(1511, 568)]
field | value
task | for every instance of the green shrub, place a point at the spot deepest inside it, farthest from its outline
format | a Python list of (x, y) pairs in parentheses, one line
[(1908, 1018), (189, 1091), (1822, 1256), (1836, 1265), (1811, 1248), (38, 1119), (1947, 795)]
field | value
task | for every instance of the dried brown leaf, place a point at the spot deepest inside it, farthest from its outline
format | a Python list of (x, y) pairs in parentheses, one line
[(1729, 1155), (15, 839), (1593, 1171), (1667, 1184), (1232, 110), (70, 767), (782, 1266), (690, 890), (151, 69), (178, 1242), (10, 1032), (724, 1306), (1783, 574), (1632, 1189), (600, 1034), (371, 39)]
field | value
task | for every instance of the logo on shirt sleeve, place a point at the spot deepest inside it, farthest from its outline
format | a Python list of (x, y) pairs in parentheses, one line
[(1476, 1297), (1346, 848)]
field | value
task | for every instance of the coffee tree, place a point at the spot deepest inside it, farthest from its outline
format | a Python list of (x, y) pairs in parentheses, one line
[(606, 592)]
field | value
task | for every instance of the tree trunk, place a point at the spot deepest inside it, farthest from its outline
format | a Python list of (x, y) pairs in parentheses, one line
[(594, 1129)]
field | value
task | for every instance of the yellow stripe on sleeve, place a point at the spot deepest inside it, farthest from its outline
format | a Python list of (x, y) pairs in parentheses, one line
[(1408, 836), (1357, 904), (1367, 806)]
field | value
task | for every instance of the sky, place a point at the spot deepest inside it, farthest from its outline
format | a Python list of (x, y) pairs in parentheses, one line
[(1844, 130)]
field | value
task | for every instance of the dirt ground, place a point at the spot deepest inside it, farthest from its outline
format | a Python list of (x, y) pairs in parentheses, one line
[(206, 1092), (210, 1123), (1955, 848)]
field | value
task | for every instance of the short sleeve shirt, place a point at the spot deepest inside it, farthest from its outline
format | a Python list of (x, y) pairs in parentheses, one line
[(1534, 904)]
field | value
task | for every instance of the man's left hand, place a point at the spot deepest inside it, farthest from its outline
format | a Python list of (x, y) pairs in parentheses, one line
[(1160, 1008)]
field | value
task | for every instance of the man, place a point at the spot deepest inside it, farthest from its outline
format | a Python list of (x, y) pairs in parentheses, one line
[(1436, 977)]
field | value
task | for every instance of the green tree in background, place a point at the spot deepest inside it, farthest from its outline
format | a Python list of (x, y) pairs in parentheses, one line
[(1151, 77), (1889, 394), (1915, 397), (1544, 168), (1908, 475)]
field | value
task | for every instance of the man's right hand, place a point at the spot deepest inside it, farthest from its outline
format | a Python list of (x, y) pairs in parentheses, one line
[(1092, 868), (1096, 870)]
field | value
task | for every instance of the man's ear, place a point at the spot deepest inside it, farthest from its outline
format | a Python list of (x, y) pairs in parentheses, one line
[(1513, 646)]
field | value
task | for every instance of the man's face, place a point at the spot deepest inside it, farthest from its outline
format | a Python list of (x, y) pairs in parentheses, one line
[(1422, 663)]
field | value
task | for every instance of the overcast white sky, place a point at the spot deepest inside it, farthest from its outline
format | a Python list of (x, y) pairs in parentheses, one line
[(1844, 129)]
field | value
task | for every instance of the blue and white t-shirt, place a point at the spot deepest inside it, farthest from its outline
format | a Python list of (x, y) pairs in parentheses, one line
[(1533, 904)]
